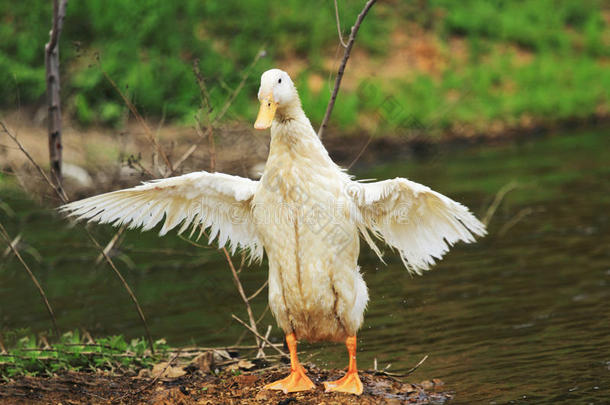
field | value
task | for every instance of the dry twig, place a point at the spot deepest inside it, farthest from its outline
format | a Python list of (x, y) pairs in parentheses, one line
[(339, 25), (147, 131), (258, 335), (498, 200), (405, 374), (133, 297), (7, 238), (59, 191), (262, 287), (240, 86), (514, 220), (111, 244), (244, 298), (348, 50), (416, 366)]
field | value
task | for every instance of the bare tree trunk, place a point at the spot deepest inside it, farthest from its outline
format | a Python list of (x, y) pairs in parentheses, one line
[(54, 105)]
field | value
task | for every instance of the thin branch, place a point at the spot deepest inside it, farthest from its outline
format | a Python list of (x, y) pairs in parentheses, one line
[(127, 288), (339, 25), (250, 298), (7, 238), (406, 374), (203, 89), (491, 210), (513, 221), (242, 263), (14, 244), (235, 92), (211, 142), (348, 50), (205, 109), (244, 298), (111, 244), (185, 156), (60, 192), (147, 131), (266, 336), (258, 335), (359, 155), (416, 366), (260, 318), (190, 242)]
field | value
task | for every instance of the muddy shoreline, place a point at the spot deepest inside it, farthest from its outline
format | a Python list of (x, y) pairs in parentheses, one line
[(200, 388)]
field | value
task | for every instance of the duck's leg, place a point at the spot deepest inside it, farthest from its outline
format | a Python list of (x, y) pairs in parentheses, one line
[(297, 380), (350, 383)]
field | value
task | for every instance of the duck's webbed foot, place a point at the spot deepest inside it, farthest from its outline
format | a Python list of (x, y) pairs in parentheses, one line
[(350, 382), (297, 380)]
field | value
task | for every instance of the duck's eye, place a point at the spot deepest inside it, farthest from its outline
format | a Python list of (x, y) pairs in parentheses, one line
[(268, 104), (279, 80)]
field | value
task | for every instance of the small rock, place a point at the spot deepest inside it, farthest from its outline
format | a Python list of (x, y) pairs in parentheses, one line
[(77, 174)]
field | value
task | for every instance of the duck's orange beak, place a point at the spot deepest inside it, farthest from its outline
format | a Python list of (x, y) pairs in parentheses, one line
[(266, 113)]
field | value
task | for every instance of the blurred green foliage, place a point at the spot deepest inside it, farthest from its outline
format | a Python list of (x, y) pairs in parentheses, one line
[(148, 49)]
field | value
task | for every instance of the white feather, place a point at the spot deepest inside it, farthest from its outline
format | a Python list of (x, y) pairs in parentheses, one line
[(200, 199), (420, 223)]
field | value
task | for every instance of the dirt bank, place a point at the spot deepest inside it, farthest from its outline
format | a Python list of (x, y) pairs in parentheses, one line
[(198, 388)]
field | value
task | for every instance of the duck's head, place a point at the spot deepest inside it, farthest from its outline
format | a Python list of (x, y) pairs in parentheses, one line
[(277, 96)]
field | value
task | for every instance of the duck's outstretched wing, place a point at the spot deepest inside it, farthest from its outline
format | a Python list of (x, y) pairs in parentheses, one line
[(202, 200), (420, 223)]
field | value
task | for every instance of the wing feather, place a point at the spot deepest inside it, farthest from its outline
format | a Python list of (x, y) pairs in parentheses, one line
[(417, 221), (201, 200)]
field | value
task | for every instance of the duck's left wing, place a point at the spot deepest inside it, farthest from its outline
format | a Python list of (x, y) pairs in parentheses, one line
[(417, 221), (202, 200)]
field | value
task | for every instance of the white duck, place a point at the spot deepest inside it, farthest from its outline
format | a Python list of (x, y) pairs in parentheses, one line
[(307, 215)]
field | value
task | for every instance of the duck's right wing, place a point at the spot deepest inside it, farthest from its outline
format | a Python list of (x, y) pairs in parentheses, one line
[(417, 221), (201, 200)]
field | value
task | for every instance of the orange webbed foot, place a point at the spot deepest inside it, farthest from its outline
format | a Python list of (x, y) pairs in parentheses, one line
[(350, 383), (296, 381)]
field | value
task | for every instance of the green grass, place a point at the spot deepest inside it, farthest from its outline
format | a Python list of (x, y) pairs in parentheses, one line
[(27, 355), (148, 49)]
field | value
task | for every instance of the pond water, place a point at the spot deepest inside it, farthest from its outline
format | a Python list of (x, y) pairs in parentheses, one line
[(522, 316)]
